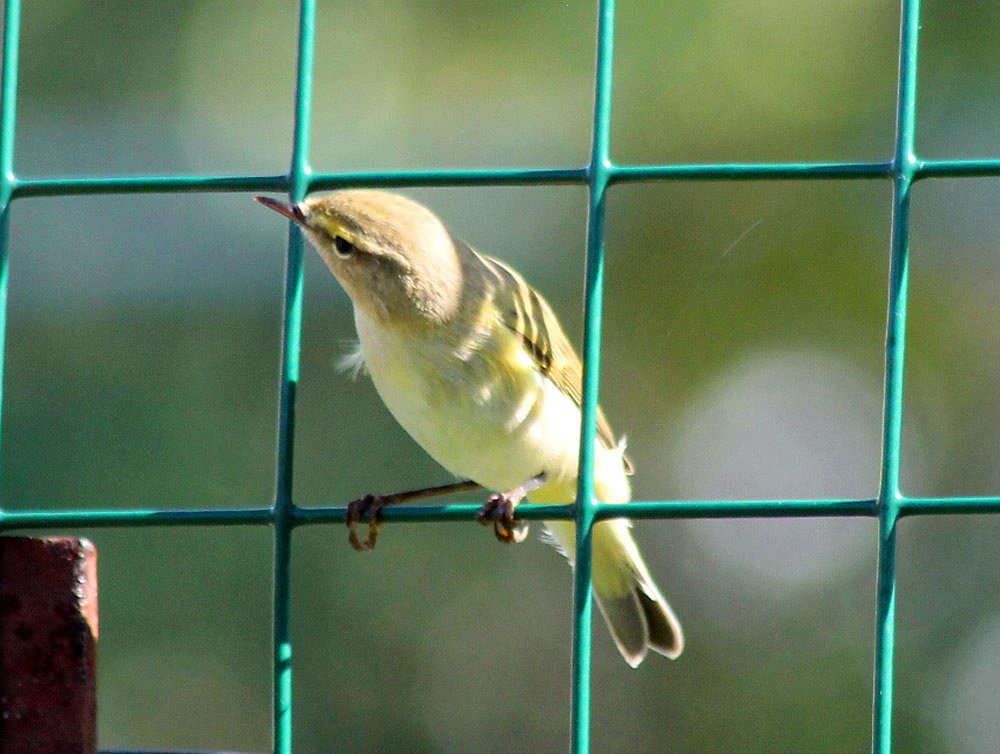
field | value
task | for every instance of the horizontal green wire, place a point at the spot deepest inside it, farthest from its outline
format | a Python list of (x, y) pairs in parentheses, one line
[(23, 187), (467, 512), (956, 168), (34, 187)]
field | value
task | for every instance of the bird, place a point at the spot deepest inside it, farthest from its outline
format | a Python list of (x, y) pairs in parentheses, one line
[(473, 364)]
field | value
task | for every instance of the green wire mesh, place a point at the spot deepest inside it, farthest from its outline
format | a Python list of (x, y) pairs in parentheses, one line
[(903, 169)]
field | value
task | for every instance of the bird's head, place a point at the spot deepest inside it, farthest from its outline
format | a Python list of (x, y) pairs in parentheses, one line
[(394, 257)]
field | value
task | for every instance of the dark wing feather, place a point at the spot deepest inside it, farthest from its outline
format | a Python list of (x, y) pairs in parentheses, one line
[(529, 315)]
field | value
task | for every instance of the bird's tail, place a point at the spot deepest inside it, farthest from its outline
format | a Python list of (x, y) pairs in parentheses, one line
[(636, 613)]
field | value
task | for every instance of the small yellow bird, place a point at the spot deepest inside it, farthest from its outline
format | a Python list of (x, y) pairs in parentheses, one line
[(474, 365)]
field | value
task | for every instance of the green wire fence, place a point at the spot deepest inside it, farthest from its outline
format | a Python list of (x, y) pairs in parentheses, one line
[(903, 169)]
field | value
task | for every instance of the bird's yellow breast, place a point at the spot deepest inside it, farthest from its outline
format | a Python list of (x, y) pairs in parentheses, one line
[(480, 407)]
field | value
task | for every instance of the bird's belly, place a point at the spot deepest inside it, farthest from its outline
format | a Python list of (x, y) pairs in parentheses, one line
[(497, 421), (486, 414)]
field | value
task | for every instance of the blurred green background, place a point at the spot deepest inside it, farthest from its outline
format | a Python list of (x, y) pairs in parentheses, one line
[(743, 357)]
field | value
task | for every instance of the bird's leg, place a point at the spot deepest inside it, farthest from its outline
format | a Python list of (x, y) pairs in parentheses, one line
[(372, 505), (499, 511)]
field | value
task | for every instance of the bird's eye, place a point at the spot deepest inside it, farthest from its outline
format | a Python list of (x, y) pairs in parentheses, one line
[(344, 247)]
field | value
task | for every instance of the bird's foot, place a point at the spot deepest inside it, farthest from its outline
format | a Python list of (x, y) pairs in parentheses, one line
[(499, 511), (370, 505)]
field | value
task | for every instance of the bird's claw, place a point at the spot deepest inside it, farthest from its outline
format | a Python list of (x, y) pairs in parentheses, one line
[(499, 511), (372, 506)]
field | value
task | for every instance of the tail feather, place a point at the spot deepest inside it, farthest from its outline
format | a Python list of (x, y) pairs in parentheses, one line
[(640, 621), (636, 613), (665, 634), (624, 617)]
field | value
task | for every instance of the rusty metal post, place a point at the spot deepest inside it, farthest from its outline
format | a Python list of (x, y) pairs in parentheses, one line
[(48, 645)]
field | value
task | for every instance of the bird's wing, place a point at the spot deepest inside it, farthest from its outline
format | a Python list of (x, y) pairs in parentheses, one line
[(527, 313)]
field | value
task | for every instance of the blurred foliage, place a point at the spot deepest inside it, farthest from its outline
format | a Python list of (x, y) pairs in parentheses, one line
[(143, 347)]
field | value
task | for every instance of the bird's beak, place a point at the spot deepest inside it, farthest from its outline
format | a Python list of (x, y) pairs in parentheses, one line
[(291, 211)]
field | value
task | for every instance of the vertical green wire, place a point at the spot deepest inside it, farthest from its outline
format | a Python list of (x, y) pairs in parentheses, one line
[(8, 97), (8, 110), (904, 165), (290, 349), (598, 174)]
